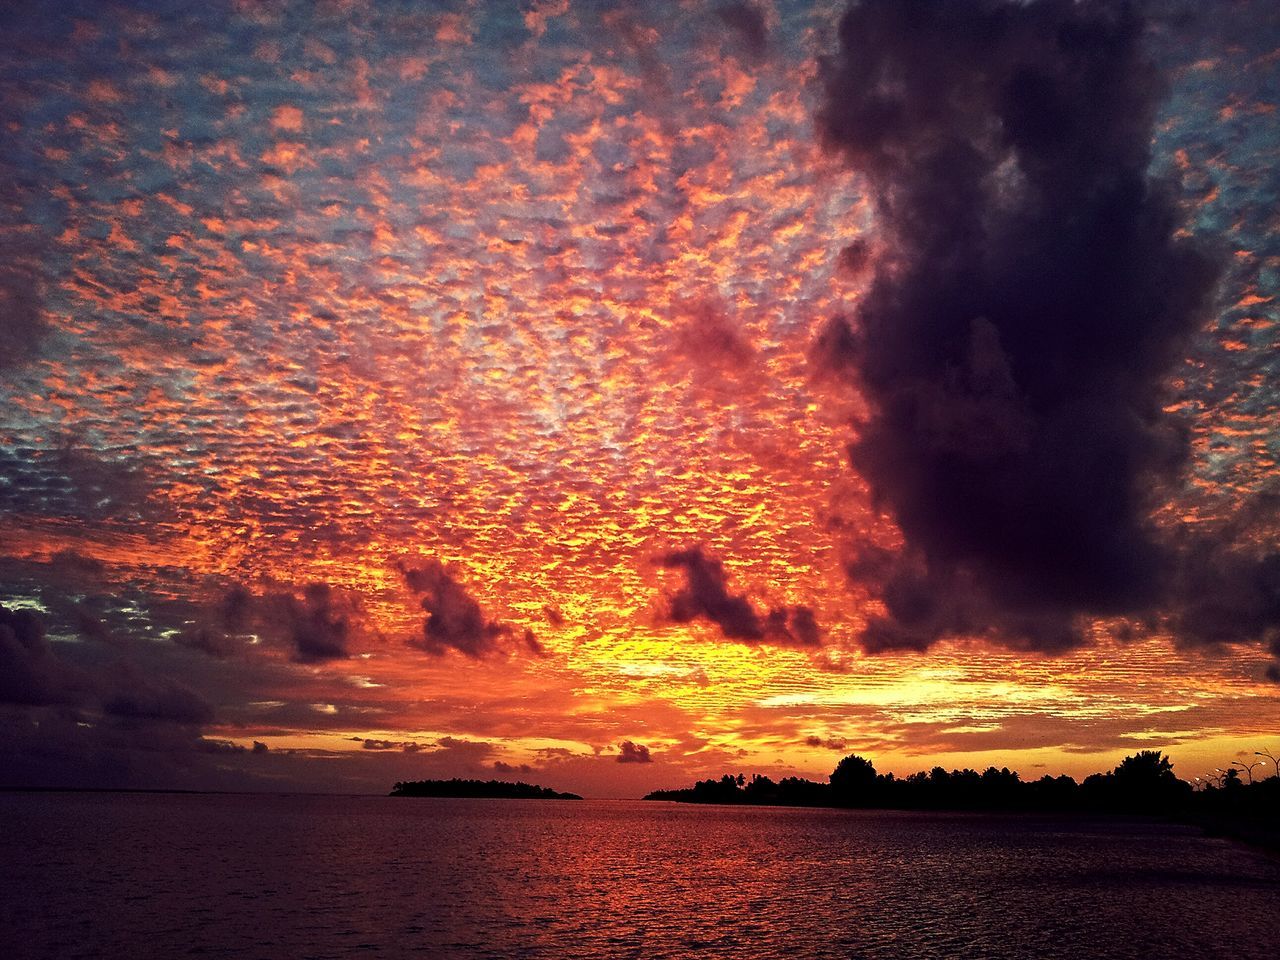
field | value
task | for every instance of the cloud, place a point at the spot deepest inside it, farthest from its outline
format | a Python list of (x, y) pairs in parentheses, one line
[(533, 644), (710, 343), (22, 322), (501, 766), (70, 480), (706, 595), (830, 743), (1030, 299), (455, 620), (24, 243), (746, 21), (30, 673), (33, 675), (315, 627), (318, 626), (165, 700), (631, 752), (209, 641), (1227, 583), (407, 746), (367, 744)]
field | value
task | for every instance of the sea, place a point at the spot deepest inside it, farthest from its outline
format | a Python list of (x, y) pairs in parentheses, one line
[(245, 876)]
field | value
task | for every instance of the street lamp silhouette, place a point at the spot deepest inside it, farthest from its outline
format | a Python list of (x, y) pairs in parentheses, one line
[(1275, 764), (1247, 767)]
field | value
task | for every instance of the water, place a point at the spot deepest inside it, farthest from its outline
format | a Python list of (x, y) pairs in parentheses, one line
[(167, 876)]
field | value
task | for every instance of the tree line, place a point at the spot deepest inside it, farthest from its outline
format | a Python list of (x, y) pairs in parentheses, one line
[(1143, 783)]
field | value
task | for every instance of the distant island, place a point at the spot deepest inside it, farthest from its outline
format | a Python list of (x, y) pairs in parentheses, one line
[(478, 788)]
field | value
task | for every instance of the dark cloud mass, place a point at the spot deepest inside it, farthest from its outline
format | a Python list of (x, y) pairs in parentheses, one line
[(455, 620), (1227, 584), (30, 673), (1029, 302), (167, 701), (632, 752), (706, 595), (318, 626)]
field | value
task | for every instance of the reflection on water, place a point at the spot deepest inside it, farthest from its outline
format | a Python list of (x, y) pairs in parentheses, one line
[(260, 876)]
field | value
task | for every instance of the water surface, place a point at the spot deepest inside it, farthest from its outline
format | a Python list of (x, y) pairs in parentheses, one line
[(120, 875)]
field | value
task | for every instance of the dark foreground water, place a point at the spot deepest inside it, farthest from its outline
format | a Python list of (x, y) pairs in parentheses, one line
[(113, 875)]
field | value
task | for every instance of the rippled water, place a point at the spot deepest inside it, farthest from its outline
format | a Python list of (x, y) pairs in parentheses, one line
[(262, 876)]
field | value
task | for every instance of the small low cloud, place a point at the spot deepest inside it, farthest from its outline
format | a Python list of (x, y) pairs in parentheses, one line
[(318, 625), (828, 743), (501, 766), (369, 743), (455, 619), (631, 752), (705, 595)]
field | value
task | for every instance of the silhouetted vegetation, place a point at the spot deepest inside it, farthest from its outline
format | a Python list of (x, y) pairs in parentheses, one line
[(1141, 784), (478, 788)]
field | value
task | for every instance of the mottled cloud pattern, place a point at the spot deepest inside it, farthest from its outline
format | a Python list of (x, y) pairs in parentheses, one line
[(1033, 295), (446, 388)]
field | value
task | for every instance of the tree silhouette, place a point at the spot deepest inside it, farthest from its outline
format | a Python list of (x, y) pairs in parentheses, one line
[(853, 782), (1146, 782)]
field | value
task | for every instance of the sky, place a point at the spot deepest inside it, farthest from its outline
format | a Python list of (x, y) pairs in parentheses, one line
[(611, 395)]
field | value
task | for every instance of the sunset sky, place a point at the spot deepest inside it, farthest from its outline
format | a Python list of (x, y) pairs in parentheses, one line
[(609, 395)]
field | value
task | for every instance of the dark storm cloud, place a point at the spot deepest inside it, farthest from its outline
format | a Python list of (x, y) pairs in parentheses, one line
[(407, 746), (31, 674), (314, 624), (1227, 585), (86, 713), (368, 744), (706, 595), (211, 642), (455, 620), (318, 626), (167, 701), (1032, 295), (219, 632), (632, 752), (802, 627)]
